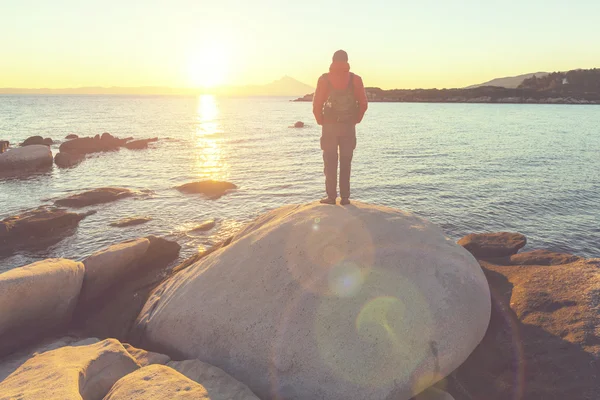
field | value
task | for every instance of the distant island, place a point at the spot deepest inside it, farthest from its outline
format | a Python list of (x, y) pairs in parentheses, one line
[(581, 86)]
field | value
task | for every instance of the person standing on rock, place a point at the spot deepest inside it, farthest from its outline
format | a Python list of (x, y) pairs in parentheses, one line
[(339, 103)]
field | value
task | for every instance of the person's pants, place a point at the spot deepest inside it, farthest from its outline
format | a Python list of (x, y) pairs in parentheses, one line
[(332, 140)]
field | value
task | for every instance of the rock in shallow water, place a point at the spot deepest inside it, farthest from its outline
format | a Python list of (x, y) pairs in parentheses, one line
[(96, 196), (66, 160), (36, 228), (139, 144), (205, 226), (210, 188), (26, 159), (358, 302), (493, 245), (36, 300), (37, 140), (132, 221)]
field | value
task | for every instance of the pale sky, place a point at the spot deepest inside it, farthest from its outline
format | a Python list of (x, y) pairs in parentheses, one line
[(391, 43)]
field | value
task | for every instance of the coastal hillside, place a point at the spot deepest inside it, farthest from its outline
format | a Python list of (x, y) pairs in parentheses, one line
[(572, 87), (509, 82)]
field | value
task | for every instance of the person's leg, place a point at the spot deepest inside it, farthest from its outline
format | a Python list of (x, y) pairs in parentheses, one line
[(347, 145), (330, 162)]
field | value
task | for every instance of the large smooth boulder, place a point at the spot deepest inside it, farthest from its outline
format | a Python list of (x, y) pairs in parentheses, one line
[(543, 341), (315, 301), (71, 136), (66, 160), (210, 188), (118, 282), (36, 300), (157, 382), (26, 159), (219, 384), (107, 267), (96, 196), (36, 228), (493, 245), (70, 373)]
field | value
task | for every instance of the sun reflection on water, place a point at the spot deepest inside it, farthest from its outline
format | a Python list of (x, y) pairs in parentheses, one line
[(210, 163)]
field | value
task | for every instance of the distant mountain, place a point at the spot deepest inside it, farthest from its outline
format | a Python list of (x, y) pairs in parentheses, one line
[(285, 86), (509, 82)]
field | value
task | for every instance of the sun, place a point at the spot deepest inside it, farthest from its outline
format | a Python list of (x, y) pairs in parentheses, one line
[(209, 66)]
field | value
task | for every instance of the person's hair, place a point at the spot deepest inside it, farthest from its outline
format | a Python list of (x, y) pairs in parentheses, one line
[(341, 56)]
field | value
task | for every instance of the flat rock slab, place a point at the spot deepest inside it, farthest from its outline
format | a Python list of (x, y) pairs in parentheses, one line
[(542, 257), (543, 341), (96, 196), (210, 188), (131, 221), (36, 228), (205, 226), (70, 373), (157, 382), (493, 245), (323, 302), (37, 300)]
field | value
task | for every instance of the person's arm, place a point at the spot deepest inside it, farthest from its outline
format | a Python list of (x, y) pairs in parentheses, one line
[(319, 99), (361, 97)]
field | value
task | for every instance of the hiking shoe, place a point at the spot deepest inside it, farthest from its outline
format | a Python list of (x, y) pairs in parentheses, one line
[(345, 201), (327, 200)]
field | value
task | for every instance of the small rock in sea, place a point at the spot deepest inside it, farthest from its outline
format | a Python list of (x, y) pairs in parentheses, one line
[(139, 144), (96, 196), (33, 140), (66, 160), (205, 226), (299, 124), (132, 221), (210, 188), (4, 145), (493, 245), (72, 136)]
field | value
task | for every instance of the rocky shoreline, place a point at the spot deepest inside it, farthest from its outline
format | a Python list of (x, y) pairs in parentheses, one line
[(99, 320), (482, 95)]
